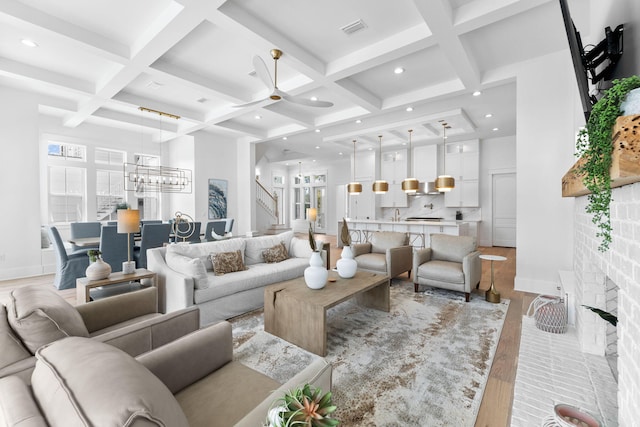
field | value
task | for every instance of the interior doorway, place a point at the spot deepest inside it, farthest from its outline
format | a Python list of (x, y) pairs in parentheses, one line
[(504, 210)]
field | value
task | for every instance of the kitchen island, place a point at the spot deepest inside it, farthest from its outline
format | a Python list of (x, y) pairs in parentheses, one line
[(419, 231)]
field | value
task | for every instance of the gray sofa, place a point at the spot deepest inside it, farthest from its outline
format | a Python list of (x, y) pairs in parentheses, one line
[(36, 316), (186, 277), (192, 381)]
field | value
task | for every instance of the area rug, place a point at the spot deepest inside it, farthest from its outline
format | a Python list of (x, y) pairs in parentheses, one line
[(425, 363)]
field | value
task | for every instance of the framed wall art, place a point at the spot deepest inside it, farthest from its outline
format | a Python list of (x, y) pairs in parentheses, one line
[(217, 198)]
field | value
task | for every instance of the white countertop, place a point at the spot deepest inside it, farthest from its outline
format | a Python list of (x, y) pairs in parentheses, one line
[(401, 222)]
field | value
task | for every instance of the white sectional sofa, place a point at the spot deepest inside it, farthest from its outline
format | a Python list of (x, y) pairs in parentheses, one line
[(186, 276)]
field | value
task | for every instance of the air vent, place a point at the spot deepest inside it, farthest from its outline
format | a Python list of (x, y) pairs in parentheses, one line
[(252, 73), (354, 27), (202, 100)]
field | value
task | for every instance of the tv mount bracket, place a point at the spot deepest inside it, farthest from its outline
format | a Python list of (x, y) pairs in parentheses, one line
[(609, 49)]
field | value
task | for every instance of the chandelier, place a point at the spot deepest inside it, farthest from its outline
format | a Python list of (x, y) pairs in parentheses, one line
[(445, 183), (143, 177), (410, 185)]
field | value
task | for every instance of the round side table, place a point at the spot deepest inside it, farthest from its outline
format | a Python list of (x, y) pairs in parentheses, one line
[(492, 294)]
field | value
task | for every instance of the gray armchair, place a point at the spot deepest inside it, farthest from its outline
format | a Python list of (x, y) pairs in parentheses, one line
[(386, 252), (452, 262)]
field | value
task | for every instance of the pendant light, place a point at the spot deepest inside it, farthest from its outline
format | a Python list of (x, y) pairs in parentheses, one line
[(445, 182), (354, 188), (410, 185), (380, 186)]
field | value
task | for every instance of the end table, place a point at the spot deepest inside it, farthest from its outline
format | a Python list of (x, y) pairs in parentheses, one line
[(84, 285), (492, 294)]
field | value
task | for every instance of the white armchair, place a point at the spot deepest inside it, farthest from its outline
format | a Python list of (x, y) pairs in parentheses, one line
[(452, 262)]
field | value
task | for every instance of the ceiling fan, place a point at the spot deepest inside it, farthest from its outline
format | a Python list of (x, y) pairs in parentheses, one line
[(277, 94)]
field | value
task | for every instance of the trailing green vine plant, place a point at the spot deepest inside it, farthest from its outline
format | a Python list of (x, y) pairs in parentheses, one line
[(594, 144)]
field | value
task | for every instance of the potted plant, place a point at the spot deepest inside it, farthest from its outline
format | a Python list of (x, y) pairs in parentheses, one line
[(304, 406), (94, 254), (346, 265), (316, 275), (594, 145)]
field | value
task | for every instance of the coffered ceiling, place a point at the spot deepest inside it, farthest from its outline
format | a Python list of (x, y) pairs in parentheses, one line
[(98, 61)]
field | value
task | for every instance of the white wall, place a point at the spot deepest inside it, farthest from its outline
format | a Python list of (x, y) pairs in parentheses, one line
[(20, 189), (180, 153), (497, 155), (546, 124)]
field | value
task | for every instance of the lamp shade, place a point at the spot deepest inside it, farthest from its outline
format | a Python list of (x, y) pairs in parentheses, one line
[(128, 221), (445, 183), (312, 214), (354, 188), (410, 185), (380, 187)]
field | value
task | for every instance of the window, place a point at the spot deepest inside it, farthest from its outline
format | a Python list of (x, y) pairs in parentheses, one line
[(109, 193), (66, 194), (309, 191), (66, 151), (109, 157)]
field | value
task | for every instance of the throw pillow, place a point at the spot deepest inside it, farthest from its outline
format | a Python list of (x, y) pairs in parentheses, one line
[(83, 382), (190, 267), (227, 262), (276, 253), (39, 316), (12, 348)]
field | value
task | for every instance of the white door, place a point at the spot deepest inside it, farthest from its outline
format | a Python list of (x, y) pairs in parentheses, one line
[(504, 210)]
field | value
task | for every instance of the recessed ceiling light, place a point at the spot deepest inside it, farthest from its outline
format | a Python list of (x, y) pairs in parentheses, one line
[(409, 109), (284, 137), (340, 153), (317, 147), (314, 160), (314, 98), (317, 130), (477, 93), (28, 42), (495, 129), (370, 149), (404, 143), (358, 121), (488, 115), (258, 116), (399, 70)]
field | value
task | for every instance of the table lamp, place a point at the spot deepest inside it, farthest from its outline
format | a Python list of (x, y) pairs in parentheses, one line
[(128, 222), (312, 215)]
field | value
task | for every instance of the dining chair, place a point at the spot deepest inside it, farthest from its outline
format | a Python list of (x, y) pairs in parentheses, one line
[(82, 230), (215, 230), (153, 236), (183, 230), (69, 267), (113, 246)]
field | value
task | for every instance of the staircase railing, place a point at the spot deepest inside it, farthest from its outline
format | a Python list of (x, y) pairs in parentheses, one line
[(268, 201)]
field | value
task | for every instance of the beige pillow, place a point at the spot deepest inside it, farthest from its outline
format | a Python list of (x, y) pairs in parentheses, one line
[(12, 349), (276, 253), (39, 316), (227, 262), (80, 381), (190, 267)]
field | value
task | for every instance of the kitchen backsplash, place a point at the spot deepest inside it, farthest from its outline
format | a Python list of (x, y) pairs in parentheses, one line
[(433, 207)]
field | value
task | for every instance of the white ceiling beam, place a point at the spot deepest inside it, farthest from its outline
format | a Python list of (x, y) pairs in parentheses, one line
[(23, 71), (438, 16), (422, 95), (474, 15), (102, 46)]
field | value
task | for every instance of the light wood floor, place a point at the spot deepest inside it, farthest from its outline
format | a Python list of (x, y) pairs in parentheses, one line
[(495, 410)]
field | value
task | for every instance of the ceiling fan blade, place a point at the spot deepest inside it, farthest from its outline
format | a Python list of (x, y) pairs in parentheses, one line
[(248, 104), (307, 102), (263, 72)]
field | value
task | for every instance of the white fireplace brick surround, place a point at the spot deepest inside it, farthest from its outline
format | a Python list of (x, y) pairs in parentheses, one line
[(621, 264)]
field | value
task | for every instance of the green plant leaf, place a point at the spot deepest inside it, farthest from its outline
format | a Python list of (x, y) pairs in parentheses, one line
[(604, 314)]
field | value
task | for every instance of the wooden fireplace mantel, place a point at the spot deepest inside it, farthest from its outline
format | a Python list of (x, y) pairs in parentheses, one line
[(625, 159)]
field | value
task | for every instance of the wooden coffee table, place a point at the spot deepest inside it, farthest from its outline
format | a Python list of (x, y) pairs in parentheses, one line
[(298, 314)]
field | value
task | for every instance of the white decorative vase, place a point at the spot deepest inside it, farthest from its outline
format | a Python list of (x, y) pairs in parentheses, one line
[(315, 276), (346, 265), (98, 270)]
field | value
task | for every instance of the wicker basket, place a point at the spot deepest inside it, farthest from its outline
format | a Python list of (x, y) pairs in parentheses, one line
[(550, 313)]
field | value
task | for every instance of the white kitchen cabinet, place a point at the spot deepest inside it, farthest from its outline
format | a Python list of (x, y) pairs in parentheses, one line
[(463, 164), (394, 171), (425, 163)]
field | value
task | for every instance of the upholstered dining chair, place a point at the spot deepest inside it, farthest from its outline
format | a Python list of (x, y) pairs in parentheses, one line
[(69, 267), (451, 262), (113, 246), (82, 230), (183, 230), (153, 236), (386, 252), (218, 229)]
